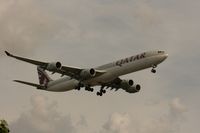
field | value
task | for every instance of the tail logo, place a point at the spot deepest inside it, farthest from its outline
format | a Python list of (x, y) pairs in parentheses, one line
[(43, 77)]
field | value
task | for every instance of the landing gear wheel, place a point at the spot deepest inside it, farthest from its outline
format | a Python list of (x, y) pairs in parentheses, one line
[(104, 91), (91, 89), (98, 93), (153, 71)]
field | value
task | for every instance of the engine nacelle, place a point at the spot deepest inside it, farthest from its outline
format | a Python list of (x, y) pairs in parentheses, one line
[(133, 89), (126, 83), (54, 66), (87, 73)]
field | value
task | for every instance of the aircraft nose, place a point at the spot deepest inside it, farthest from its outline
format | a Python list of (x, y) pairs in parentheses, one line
[(165, 56)]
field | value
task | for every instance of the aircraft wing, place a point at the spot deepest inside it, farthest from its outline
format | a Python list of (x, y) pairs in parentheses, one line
[(38, 63), (73, 72)]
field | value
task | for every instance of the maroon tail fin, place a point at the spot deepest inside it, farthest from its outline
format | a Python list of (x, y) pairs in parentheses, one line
[(44, 78)]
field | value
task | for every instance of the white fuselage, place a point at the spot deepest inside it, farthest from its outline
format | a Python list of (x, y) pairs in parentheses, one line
[(113, 70)]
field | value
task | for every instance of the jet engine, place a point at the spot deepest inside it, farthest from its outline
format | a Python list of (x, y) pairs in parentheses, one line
[(133, 89), (126, 83), (87, 73), (54, 66)]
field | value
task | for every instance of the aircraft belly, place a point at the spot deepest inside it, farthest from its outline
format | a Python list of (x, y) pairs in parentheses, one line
[(63, 86), (105, 78)]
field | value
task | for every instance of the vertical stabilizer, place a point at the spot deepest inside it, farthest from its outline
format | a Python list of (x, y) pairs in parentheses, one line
[(44, 78)]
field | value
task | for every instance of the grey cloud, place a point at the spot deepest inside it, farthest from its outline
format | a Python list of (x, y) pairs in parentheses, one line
[(44, 118), (82, 122), (25, 25), (167, 123), (117, 123), (85, 33), (177, 108), (170, 122), (28, 24)]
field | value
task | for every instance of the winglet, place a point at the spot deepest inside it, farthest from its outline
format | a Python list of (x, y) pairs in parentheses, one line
[(8, 54)]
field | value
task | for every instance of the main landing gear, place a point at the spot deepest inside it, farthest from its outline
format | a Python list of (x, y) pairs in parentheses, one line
[(153, 70), (80, 85), (101, 92), (88, 88)]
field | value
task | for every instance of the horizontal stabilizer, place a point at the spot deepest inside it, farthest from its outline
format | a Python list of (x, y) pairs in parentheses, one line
[(31, 84)]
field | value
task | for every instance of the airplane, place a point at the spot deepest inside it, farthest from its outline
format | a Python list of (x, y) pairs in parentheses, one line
[(105, 76)]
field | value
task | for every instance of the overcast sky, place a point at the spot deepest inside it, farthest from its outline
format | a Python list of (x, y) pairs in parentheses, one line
[(88, 33)]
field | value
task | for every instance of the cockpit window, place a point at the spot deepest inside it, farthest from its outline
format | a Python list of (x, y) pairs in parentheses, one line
[(161, 52)]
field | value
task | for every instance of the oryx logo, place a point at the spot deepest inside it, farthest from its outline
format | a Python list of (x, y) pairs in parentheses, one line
[(43, 77)]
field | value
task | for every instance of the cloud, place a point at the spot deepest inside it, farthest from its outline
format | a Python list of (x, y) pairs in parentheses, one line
[(146, 15), (25, 25), (167, 123), (93, 32), (117, 123), (177, 108), (43, 117), (170, 122), (82, 122)]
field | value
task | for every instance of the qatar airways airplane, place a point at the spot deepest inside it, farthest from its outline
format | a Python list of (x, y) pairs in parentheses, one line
[(106, 76)]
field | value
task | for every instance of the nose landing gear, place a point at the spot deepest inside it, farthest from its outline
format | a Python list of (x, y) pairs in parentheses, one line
[(153, 70)]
